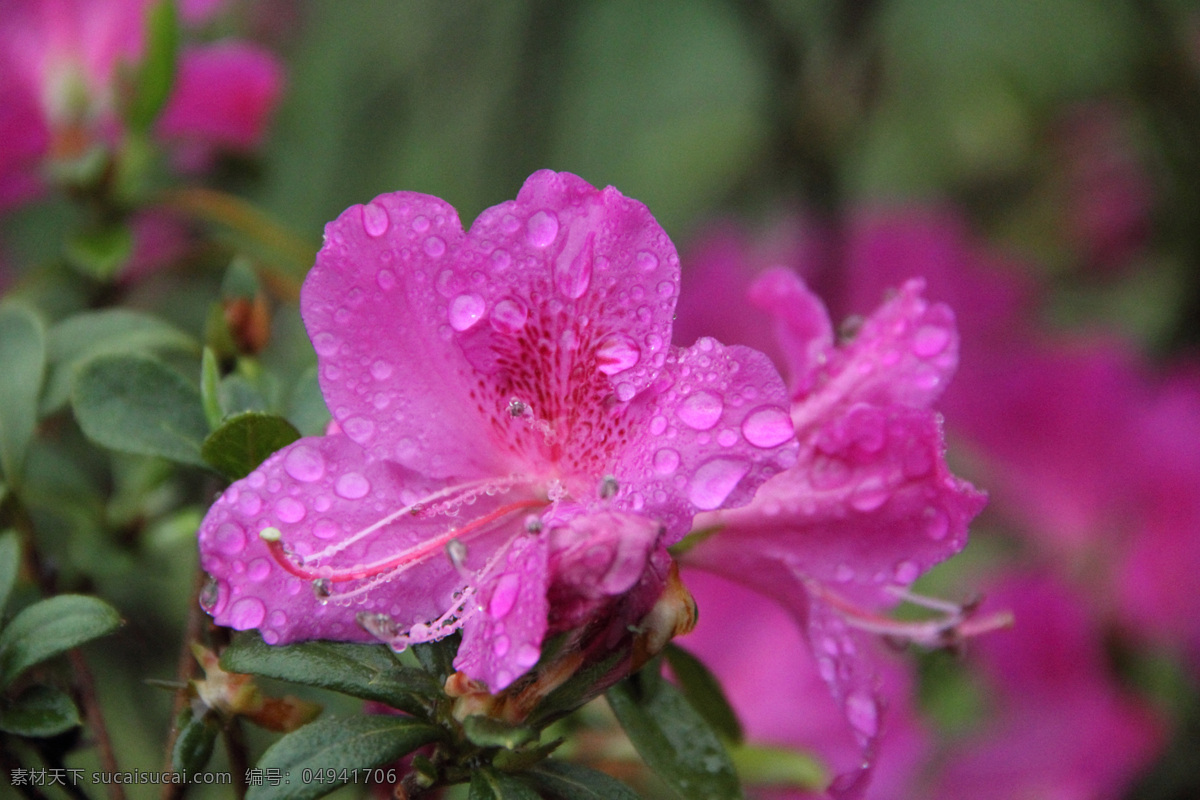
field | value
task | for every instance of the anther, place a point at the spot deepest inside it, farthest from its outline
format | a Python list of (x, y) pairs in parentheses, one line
[(517, 408)]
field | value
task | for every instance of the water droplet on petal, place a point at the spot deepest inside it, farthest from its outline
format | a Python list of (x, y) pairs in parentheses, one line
[(647, 261), (930, 340), (573, 277), (616, 354), (870, 494), (375, 219), (767, 427), (907, 572), (434, 246), (420, 223), (386, 279), (626, 392), (937, 524), (527, 656), (509, 315), (326, 344), (844, 573), (304, 464), (658, 425), (543, 229), (504, 596), (727, 438), (713, 482), (500, 646), (249, 503), (247, 613), (465, 311), (230, 538), (359, 429), (701, 410), (352, 486), (862, 713), (259, 568), (211, 595), (666, 461), (501, 260), (290, 510), (381, 370)]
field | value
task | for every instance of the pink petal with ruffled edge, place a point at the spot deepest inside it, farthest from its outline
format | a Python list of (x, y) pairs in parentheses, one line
[(223, 96)]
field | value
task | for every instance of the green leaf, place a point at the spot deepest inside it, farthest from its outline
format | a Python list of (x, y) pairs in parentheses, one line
[(156, 74), (10, 564), (82, 337), (338, 743), (780, 768), (367, 671), (138, 405), (194, 744), (242, 442), (238, 395), (437, 658), (22, 367), (566, 781), (100, 252), (39, 711), (704, 692), (50, 627), (672, 738), (210, 381), (489, 785), (491, 732)]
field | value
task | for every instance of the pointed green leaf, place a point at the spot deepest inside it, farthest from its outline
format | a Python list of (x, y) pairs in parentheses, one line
[(437, 658), (338, 743), (241, 443), (780, 768), (156, 73), (491, 732), (368, 671), (563, 780), (673, 739), (100, 252), (22, 367), (39, 711), (210, 381), (81, 337), (487, 784), (138, 405), (194, 744), (10, 564), (704, 692), (50, 627)]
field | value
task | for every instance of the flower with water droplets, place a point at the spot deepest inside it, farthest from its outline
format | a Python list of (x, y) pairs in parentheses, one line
[(870, 504), (518, 439)]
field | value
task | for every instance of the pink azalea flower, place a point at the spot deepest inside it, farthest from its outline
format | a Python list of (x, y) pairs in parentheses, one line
[(771, 678), (1059, 726), (519, 438), (870, 504), (59, 68)]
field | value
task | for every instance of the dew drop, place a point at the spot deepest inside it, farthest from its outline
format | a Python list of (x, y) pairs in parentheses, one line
[(290, 510), (647, 261), (381, 626), (386, 279), (249, 503), (278, 619), (666, 461), (434, 246), (304, 464), (907, 572), (930, 340), (509, 315), (768, 426), (465, 311), (542, 229), (359, 429), (937, 524), (701, 410), (325, 529), (713, 482), (501, 260), (500, 646), (727, 438), (616, 354), (259, 568), (862, 713), (870, 494), (247, 613), (573, 277), (381, 370), (626, 392), (375, 219), (420, 223), (326, 344), (658, 425), (352, 486), (212, 596), (527, 656), (504, 596), (230, 538), (666, 289)]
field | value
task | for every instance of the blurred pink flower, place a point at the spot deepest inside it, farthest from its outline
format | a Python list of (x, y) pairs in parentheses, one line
[(772, 680), (60, 73), (519, 439), (1058, 725), (870, 504)]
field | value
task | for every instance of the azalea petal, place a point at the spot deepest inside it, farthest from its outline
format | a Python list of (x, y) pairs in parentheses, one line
[(503, 638), (712, 430), (802, 327), (26, 140), (224, 95), (317, 493)]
